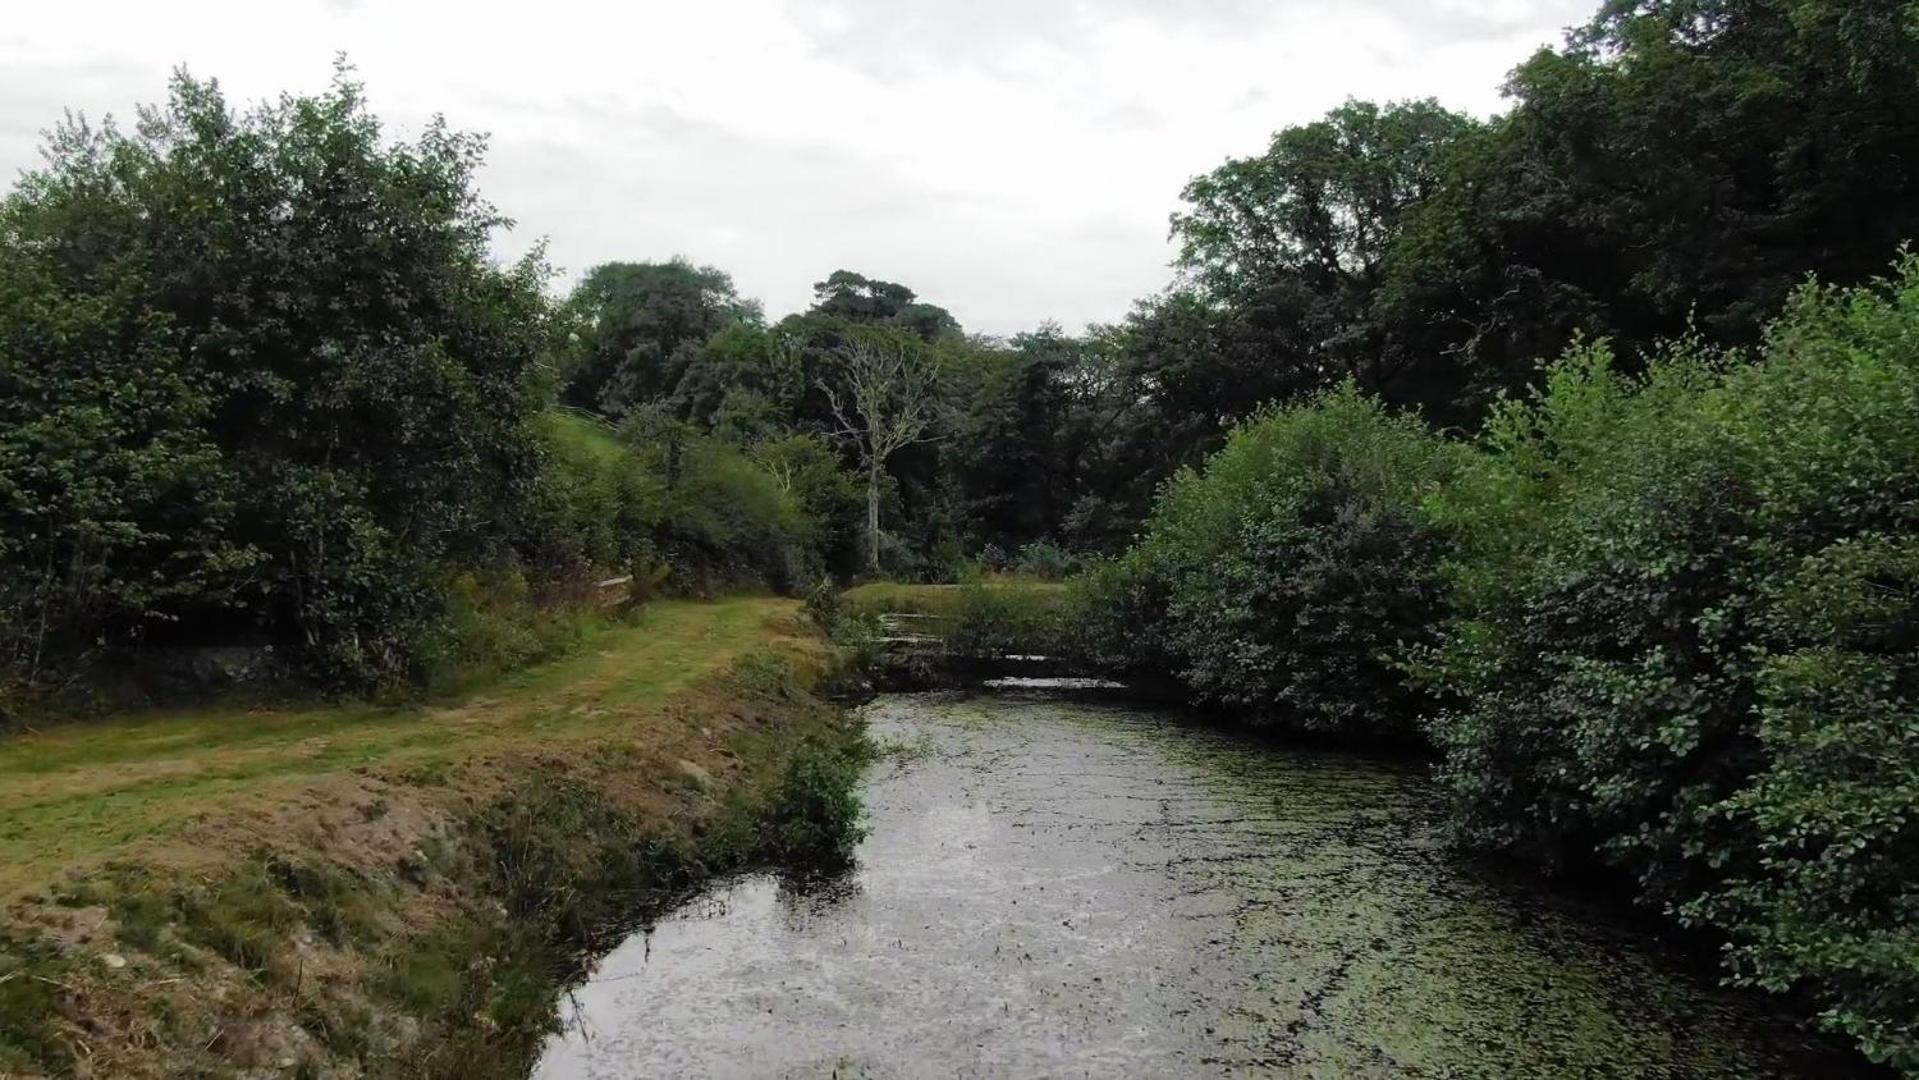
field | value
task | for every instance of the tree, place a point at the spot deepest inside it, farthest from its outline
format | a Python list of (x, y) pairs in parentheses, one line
[(1322, 204), (286, 380), (1296, 241), (745, 384), (1679, 164), (808, 471), (860, 299), (642, 324), (884, 395)]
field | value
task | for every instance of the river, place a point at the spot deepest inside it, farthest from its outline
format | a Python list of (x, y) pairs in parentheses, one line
[(1064, 889)]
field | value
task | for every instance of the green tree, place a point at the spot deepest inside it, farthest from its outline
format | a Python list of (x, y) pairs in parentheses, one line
[(807, 470), (1296, 241), (641, 326), (860, 299), (115, 501), (745, 384), (1678, 164), (296, 381)]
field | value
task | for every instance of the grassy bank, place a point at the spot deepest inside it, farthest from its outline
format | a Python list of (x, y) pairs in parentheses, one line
[(352, 890), (987, 618), (881, 597)]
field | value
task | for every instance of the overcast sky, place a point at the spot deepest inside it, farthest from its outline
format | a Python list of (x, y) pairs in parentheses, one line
[(1013, 160)]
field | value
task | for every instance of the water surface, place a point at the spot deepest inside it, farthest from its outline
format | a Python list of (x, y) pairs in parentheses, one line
[(1062, 889)]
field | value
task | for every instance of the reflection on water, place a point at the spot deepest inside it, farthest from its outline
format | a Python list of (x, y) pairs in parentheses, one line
[(1058, 889)]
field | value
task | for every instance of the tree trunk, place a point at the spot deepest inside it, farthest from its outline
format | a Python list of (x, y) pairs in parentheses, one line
[(873, 517)]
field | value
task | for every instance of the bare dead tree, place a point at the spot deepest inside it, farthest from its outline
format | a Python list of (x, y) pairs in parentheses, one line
[(886, 399)]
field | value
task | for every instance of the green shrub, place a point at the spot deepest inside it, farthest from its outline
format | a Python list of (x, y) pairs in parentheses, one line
[(1045, 560), (813, 820), (726, 517), (593, 504), (1685, 635), (1595, 603), (1294, 564), (1116, 614)]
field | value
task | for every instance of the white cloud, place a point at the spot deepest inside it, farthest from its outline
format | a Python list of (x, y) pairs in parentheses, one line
[(1012, 159)]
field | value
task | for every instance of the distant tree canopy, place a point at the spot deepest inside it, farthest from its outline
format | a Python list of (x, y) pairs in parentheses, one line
[(857, 298), (1296, 241), (1674, 167), (640, 325)]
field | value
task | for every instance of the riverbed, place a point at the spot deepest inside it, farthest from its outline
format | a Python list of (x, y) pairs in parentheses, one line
[(1059, 888)]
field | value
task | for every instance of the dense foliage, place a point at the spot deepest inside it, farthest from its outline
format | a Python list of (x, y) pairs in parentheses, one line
[(1672, 168), (1685, 636), (259, 379), (639, 327), (1292, 567), (1678, 164), (260, 382), (1668, 623)]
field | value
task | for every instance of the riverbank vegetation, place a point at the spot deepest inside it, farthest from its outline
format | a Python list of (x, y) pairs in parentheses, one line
[(1663, 621), (1575, 444)]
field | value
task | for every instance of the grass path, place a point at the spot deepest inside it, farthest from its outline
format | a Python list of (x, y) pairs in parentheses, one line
[(76, 795)]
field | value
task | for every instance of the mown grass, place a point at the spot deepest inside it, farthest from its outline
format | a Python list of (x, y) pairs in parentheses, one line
[(71, 796)]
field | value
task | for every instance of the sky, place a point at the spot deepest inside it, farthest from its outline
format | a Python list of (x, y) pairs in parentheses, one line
[(1014, 161)]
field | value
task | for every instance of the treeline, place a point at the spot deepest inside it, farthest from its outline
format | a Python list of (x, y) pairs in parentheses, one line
[(1673, 169), (1664, 621), (261, 384), (1655, 604)]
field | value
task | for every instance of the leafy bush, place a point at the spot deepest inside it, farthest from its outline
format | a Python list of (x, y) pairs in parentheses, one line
[(813, 820), (1045, 560), (1294, 564), (725, 518), (593, 503), (1116, 614), (1686, 636), (827, 496)]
